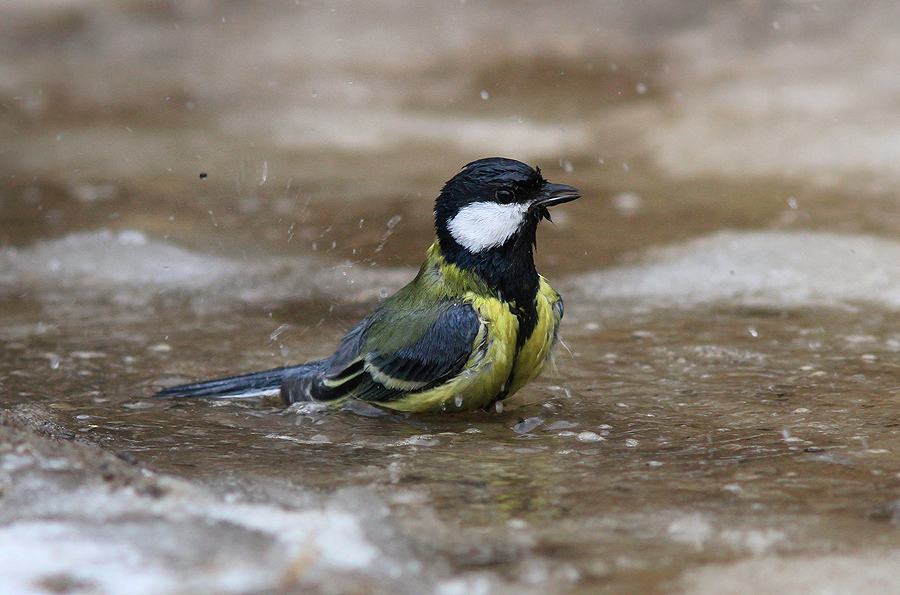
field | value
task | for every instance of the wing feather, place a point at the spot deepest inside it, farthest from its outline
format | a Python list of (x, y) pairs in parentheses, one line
[(388, 356)]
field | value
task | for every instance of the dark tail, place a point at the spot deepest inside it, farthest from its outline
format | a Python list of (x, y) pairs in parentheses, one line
[(257, 384)]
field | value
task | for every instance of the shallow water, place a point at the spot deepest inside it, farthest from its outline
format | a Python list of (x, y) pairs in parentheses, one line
[(668, 439), (722, 417)]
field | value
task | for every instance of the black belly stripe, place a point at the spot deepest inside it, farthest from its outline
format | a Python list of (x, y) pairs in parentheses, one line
[(527, 322), (527, 317)]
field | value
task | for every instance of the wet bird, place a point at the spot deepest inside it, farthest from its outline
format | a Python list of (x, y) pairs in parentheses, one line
[(475, 325)]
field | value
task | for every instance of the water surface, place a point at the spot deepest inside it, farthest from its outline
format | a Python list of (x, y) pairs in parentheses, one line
[(723, 414)]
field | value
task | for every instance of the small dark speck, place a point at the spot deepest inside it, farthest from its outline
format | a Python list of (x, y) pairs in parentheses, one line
[(127, 457), (154, 491), (202, 175)]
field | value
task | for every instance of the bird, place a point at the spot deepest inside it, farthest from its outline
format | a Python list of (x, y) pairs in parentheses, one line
[(475, 325)]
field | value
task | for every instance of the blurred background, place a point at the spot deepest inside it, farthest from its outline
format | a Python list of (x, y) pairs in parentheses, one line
[(675, 118), (193, 188)]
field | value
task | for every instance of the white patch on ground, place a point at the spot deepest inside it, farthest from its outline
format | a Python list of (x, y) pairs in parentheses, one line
[(187, 539), (131, 269), (481, 225), (701, 534), (113, 553), (692, 530), (834, 575), (63, 528), (761, 267)]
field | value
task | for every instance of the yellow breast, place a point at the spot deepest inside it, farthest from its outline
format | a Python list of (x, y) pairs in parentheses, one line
[(536, 350), (495, 369)]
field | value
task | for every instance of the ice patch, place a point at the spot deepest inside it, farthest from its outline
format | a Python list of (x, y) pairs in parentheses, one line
[(81, 535), (335, 537), (693, 530), (763, 267), (129, 268), (255, 544), (54, 552), (837, 575), (124, 258)]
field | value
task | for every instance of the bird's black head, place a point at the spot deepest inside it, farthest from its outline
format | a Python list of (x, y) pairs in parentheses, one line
[(487, 215)]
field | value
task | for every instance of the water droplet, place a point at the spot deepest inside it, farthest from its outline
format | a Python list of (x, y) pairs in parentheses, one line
[(53, 360), (498, 406), (485, 95), (526, 425), (458, 401), (626, 203)]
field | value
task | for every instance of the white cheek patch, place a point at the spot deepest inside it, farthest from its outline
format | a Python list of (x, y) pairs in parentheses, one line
[(482, 225)]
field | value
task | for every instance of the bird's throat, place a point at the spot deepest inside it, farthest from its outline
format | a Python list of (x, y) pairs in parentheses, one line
[(509, 274)]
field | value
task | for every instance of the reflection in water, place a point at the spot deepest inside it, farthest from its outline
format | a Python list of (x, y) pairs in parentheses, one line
[(726, 398)]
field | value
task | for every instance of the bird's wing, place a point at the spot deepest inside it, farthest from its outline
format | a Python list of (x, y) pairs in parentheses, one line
[(557, 306), (389, 354)]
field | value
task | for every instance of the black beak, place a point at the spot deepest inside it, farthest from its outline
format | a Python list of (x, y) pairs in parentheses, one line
[(556, 194), (552, 195)]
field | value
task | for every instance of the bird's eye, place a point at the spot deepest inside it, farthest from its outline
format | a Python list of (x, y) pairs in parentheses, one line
[(505, 195)]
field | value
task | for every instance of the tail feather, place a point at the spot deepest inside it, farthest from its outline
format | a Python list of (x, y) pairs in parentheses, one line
[(257, 384)]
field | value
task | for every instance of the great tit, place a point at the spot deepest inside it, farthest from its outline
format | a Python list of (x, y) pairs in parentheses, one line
[(475, 325)]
